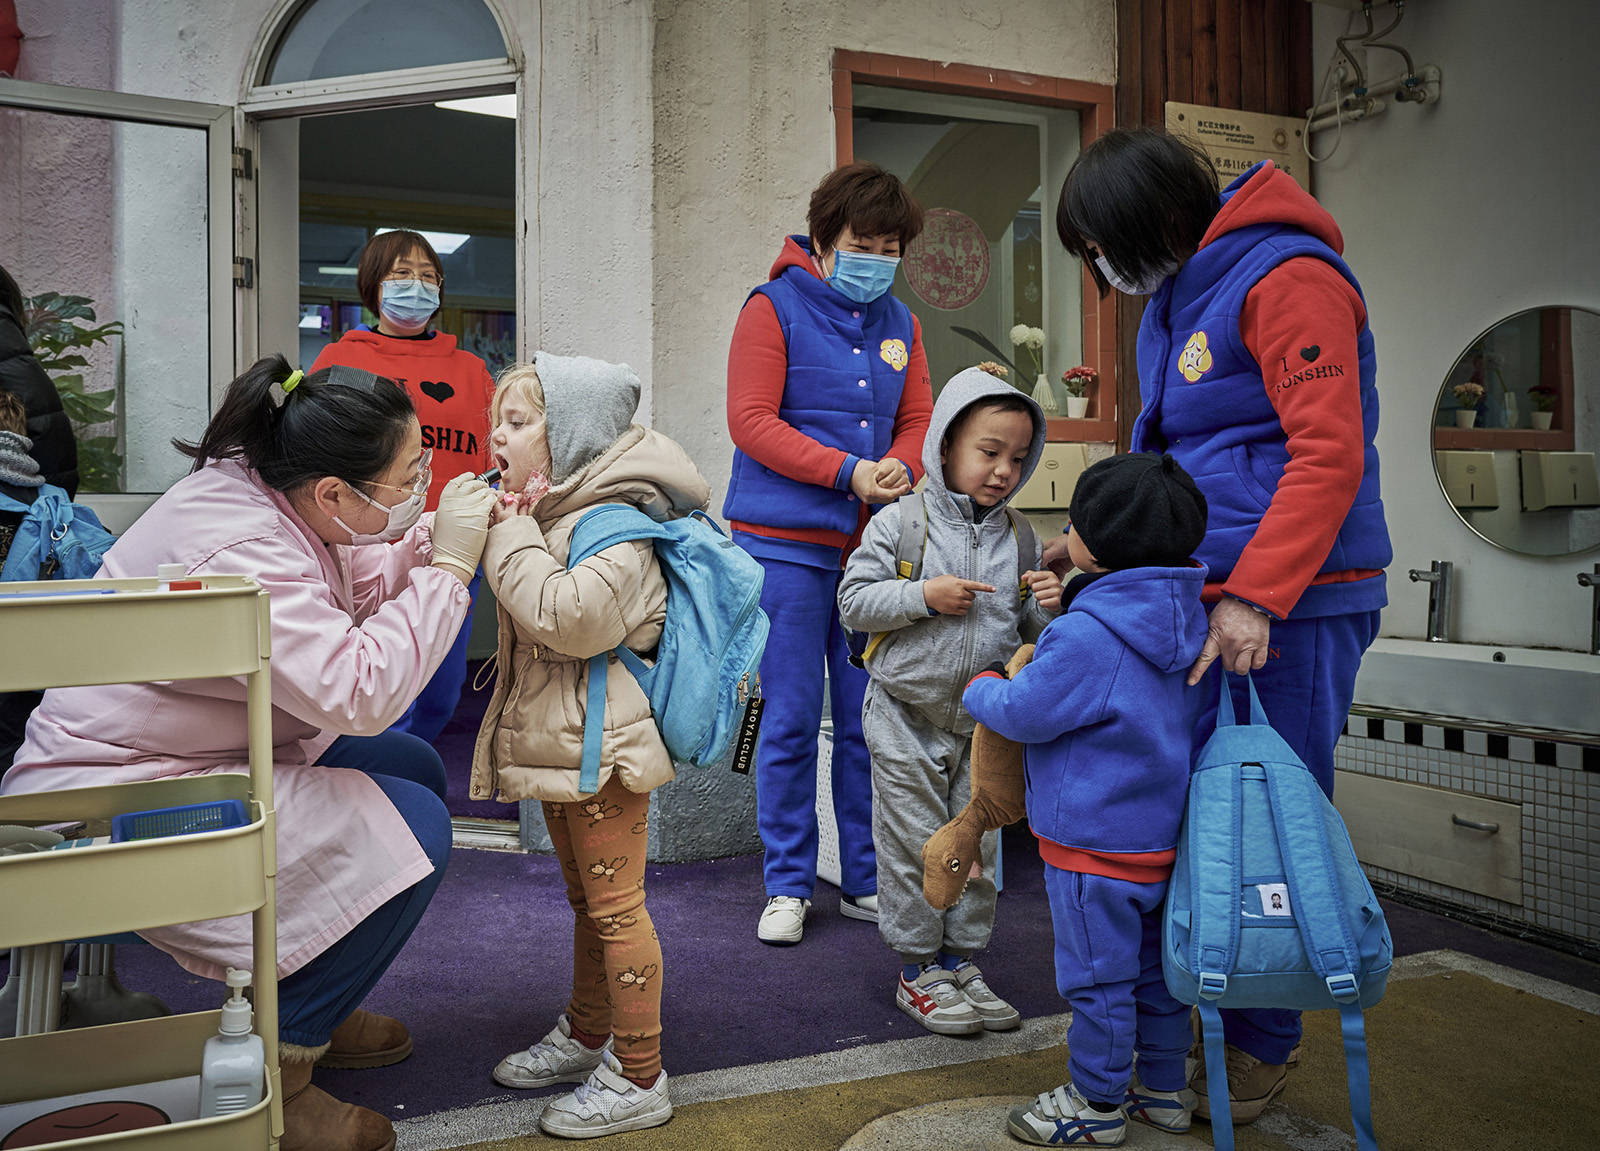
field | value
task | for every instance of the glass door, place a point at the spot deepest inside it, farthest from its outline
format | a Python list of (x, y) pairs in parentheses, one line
[(118, 227)]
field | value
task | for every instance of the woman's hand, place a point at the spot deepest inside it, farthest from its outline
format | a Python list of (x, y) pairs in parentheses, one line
[(951, 595), (1055, 556), (1237, 635), (892, 477), (461, 525), (1046, 588), (879, 481)]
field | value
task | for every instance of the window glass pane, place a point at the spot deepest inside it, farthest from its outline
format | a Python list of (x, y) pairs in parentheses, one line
[(114, 215), (360, 174), (351, 37), (986, 172)]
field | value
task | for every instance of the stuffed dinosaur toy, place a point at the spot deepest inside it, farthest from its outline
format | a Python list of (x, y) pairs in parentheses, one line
[(952, 855)]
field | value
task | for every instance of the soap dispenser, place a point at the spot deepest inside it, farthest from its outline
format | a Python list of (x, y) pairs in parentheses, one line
[(233, 1065)]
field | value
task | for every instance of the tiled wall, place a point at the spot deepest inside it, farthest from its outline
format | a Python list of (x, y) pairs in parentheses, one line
[(1556, 784)]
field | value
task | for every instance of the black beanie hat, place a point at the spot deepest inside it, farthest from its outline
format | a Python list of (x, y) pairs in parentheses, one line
[(1138, 510)]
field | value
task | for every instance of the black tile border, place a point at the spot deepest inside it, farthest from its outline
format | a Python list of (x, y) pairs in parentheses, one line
[(1409, 728)]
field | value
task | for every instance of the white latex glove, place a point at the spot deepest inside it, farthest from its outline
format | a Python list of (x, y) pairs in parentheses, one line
[(461, 525)]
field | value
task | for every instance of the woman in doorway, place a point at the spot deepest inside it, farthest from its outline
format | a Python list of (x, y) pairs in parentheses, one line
[(400, 277), (1256, 369), (828, 401), (314, 486)]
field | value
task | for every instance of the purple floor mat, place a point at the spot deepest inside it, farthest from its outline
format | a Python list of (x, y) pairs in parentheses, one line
[(489, 968)]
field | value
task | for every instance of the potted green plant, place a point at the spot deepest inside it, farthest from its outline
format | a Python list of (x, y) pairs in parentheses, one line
[(51, 325), (1079, 381), (1544, 397), (1468, 394)]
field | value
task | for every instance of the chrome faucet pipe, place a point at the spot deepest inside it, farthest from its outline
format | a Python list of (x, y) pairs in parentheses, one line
[(1592, 580), (1440, 593)]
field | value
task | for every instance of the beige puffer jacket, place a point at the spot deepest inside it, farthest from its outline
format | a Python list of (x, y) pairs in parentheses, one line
[(553, 620)]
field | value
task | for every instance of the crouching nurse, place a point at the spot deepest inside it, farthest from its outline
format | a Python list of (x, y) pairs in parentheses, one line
[(313, 485)]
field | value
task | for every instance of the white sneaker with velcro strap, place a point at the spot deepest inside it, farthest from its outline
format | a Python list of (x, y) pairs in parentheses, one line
[(557, 1058), (606, 1104)]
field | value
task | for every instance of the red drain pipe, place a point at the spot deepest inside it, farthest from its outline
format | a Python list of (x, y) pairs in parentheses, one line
[(10, 38)]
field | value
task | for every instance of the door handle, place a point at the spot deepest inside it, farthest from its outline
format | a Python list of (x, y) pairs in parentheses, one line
[(1474, 824)]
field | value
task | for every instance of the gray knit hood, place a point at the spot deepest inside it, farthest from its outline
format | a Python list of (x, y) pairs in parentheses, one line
[(588, 404)]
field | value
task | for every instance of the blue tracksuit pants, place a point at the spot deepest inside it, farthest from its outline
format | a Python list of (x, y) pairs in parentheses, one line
[(1305, 689), (318, 997), (806, 636), (1108, 968), (437, 700)]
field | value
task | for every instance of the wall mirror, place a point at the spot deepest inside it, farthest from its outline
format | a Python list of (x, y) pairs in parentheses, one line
[(1516, 429)]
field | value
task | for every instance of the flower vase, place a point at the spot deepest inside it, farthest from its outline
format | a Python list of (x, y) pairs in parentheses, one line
[(1045, 396), (1077, 407), (1508, 405), (1466, 417), (1541, 420)]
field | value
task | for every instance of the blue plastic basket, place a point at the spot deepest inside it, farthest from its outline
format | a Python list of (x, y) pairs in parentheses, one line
[(218, 815)]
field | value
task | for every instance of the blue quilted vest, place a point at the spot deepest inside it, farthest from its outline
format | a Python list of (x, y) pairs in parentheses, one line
[(1220, 424), (847, 368)]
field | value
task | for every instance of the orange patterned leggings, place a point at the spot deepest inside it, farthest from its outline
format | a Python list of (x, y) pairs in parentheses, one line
[(616, 954)]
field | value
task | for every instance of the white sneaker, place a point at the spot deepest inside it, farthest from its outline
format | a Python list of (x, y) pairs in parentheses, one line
[(996, 1013), (606, 1104), (863, 907), (934, 1001), (1169, 1110), (783, 921), (1063, 1117), (557, 1058)]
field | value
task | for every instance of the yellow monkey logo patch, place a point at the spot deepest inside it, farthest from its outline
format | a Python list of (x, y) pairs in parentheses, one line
[(893, 353), (1196, 359)]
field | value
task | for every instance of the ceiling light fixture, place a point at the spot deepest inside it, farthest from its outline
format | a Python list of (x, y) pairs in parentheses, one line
[(443, 242)]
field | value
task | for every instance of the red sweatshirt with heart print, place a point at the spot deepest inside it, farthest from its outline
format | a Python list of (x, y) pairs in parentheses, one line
[(450, 387)]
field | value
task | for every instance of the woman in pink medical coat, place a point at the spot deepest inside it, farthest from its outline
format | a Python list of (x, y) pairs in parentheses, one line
[(314, 485)]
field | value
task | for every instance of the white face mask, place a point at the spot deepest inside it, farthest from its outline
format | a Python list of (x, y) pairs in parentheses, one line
[(402, 517), (1130, 288)]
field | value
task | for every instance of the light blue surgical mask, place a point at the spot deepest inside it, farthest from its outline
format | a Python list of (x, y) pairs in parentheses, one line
[(407, 303), (862, 276)]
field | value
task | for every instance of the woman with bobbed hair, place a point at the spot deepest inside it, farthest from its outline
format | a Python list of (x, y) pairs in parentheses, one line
[(1257, 374), (313, 485), (401, 278), (828, 402)]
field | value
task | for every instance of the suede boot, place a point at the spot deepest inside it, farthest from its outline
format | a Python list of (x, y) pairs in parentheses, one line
[(313, 1120), (366, 1039)]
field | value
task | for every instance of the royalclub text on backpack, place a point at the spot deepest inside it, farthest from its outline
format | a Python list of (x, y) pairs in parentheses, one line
[(1267, 906)]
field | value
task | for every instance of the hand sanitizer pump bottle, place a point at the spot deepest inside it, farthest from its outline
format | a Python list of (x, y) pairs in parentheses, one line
[(233, 1065)]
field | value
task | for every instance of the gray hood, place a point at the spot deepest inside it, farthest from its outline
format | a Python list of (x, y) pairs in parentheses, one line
[(588, 404), (965, 389)]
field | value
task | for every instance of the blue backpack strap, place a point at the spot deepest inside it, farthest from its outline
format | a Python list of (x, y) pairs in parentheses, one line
[(1352, 1027), (1214, 943), (600, 528), (1216, 1076)]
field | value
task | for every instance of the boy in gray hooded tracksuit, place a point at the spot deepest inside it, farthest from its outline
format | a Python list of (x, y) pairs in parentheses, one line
[(970, 607)]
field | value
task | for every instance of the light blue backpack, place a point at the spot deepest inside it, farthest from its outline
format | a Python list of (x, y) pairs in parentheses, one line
[(704, 686), (1267, 906), (57, 539)]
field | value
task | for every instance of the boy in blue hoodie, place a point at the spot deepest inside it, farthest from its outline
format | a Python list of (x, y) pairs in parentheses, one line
[(1107, 722), (980, 592)]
